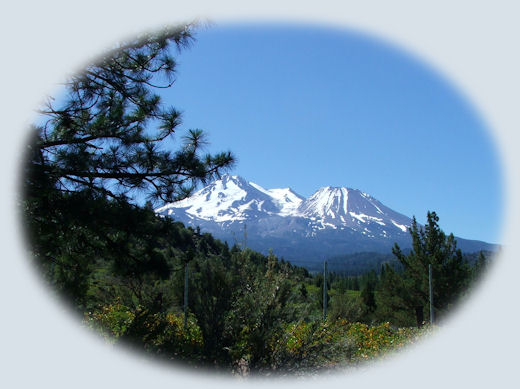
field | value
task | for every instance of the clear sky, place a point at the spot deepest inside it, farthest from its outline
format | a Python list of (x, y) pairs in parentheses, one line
[(306, 107)]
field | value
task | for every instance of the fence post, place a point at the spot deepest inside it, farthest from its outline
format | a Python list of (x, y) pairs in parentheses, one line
[(185, 295), (430, 282), (324, 290)]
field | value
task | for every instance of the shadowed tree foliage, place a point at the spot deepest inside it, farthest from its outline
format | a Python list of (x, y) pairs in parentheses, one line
[(409, 290), (109, 133), (107, 140)]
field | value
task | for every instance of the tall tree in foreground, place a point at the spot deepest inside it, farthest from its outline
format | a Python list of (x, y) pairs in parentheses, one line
[(451, 274), (109, 133), (107, 139)]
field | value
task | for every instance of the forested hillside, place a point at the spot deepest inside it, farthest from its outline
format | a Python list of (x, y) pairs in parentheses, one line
[(123, 269)]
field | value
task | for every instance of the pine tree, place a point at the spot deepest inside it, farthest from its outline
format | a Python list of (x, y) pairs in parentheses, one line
[(368, 296), (451, 274), (96, 150), (110, 132)]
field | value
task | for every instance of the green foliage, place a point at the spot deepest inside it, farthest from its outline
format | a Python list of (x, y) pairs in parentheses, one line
[(158, 333), (313, 346), (259, 310), (211, 289), (243, 306), (108, 138), (408, 290), (481, 265), (368, 291), (357, 264), (112, 320), (310, 346), (347, 306), (106, 134), (378, 340), (393, 301)]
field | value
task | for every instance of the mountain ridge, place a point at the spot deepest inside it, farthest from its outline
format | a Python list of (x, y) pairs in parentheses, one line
[(332, 221)]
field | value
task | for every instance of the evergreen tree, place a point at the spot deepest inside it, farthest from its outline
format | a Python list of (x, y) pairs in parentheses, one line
[(368, 296), (109, 134), (451, 274), (394, 302), (480, 265), (107, 140)]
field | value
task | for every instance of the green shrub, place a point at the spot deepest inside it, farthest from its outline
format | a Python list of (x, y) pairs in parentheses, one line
[(162, 334), (112, 321), (310, 346), (317, 345), (375, 341)]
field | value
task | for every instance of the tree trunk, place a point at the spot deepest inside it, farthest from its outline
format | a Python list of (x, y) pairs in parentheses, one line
[(419, 315)]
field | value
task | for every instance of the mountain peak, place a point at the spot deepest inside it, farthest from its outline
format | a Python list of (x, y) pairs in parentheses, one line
[(332, 221), (234, 199), (327, 202), (225, 178)]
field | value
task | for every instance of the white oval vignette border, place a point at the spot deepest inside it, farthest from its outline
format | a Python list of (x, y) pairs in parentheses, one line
[(473, 44)]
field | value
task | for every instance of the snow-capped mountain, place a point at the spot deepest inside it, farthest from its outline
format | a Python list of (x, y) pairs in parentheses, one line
[(344, 207), (232, 199), (332, 221)]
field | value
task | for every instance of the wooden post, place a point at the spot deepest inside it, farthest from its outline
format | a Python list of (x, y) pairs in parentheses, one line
[(186, 295), (419, 315), (430, 281), (324, 290)]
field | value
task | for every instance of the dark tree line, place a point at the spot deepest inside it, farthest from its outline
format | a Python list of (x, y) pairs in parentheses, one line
[(400, 294)]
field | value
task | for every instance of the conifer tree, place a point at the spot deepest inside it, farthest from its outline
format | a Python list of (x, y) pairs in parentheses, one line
[(104, 144), (451, 274), (368, 296), (112, 135)]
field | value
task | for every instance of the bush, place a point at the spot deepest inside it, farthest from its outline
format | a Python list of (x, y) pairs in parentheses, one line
[(350, 308), (112, 321), (376, 341), (311, 346), (158, 333)]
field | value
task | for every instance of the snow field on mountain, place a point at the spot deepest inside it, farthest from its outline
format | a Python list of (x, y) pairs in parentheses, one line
[(232, 198)]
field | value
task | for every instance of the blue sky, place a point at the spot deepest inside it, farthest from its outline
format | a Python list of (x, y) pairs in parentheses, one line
[(306, 107)]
